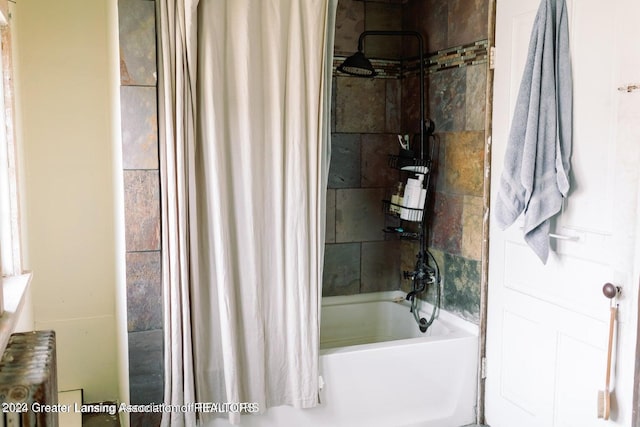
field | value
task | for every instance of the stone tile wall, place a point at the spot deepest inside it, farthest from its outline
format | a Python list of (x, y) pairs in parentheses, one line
[(456, 102), (445, 24), (366, 117), (142, 204)]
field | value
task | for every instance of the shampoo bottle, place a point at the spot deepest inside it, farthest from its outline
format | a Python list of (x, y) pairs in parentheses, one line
[(414, 197), (411, 199)]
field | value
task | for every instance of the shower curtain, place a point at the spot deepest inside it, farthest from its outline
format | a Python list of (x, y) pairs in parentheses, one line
[(244, 93)]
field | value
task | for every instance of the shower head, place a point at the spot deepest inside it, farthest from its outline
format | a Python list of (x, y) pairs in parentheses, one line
[(357, 65)]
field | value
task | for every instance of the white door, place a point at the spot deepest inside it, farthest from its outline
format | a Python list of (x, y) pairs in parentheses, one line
[(548, 325)]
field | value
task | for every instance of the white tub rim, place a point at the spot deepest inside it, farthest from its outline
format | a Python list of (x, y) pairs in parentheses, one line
[(461, 328)]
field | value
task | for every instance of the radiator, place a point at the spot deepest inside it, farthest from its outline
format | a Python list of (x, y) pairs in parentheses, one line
[(28, 381)]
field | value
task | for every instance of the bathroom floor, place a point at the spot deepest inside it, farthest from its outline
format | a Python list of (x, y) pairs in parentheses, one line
[(100, 420)]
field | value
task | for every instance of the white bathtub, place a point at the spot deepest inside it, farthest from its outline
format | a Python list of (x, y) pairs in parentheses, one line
[(379, 370)]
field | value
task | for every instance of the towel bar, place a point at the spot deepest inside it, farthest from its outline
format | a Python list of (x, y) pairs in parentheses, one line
[(563, 237)]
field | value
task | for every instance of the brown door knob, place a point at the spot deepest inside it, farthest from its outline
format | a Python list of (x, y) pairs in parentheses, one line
[(610, 291)]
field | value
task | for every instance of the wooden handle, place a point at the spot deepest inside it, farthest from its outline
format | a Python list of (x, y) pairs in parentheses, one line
[(612, 319), (607, 394)]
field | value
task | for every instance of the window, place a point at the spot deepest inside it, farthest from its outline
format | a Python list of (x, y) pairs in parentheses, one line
[(10, 239)]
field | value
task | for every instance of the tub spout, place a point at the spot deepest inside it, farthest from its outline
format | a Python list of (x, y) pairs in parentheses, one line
[(411, 295)]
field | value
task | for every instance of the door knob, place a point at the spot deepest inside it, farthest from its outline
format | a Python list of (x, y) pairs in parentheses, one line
[(611, 291)]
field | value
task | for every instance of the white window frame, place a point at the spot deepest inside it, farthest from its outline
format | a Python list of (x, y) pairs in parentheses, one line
[(10, 234)]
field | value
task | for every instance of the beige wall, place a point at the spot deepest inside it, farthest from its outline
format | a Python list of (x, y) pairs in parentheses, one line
[(68, 124)]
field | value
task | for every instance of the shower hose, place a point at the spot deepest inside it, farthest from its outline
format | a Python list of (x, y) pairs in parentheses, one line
[(428, 275)]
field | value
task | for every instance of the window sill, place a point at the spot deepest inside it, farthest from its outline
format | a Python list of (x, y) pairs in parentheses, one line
[(14, 289)]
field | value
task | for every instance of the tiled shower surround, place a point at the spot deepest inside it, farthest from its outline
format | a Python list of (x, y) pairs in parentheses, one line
[(366, 116), (142, 204)]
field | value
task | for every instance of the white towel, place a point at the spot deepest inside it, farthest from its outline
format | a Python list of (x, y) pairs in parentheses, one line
[(535, 178)]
